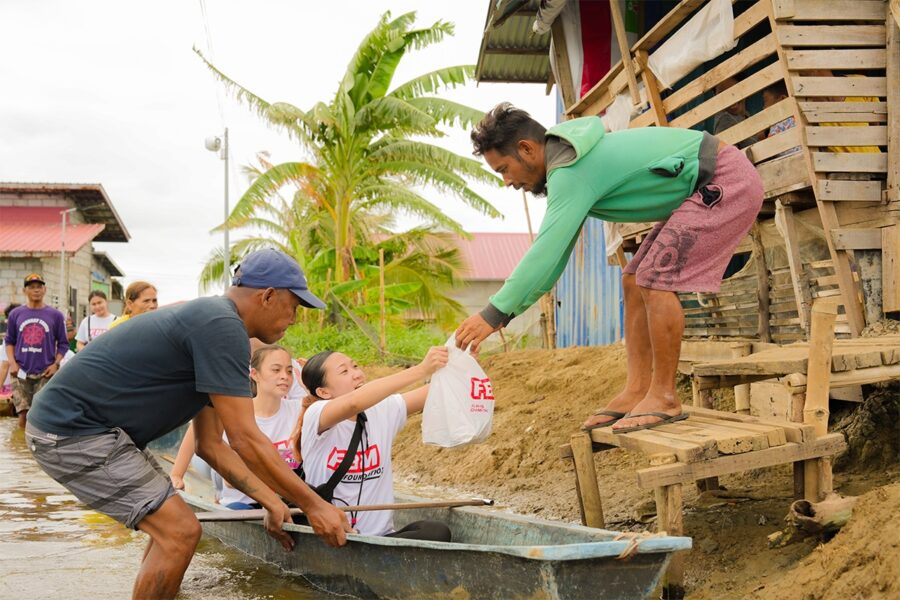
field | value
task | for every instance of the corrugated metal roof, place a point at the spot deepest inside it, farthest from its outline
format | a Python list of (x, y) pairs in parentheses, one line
[(90, 198), (111, 267), (511, 52), (42, 238), (492, 256)]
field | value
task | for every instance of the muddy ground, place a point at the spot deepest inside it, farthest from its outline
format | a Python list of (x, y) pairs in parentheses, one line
[(541, 399)]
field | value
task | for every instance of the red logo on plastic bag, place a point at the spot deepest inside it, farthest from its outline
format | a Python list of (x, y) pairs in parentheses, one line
[(482, 389)]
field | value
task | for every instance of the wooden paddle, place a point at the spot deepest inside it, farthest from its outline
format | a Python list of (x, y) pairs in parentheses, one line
[(258, 514)]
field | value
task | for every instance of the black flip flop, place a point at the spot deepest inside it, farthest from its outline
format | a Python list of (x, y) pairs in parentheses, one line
[(605, 413), (664, 418)]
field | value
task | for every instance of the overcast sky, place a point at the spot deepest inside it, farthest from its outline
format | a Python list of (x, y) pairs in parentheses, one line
[(110, 92)]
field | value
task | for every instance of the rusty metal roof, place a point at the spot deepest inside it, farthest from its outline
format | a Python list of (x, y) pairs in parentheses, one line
[(44, 238), (510, 51), (492, 256), (90, 198)]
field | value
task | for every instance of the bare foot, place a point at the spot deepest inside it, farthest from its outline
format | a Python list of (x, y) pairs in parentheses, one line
[(662, 403), (622, 403)]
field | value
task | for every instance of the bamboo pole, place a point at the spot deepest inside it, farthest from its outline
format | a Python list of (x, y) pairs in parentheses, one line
[(818, 371), (381, 299), (259, 513)]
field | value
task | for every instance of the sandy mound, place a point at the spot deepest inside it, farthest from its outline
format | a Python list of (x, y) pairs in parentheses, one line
[(542, 398), (862, 561)]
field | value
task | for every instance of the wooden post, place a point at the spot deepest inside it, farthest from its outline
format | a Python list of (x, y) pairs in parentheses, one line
[(890, 267), (892, 50), (741, 392), (561, 52), (762, 286), (625, 51), (652, 86), (673, 580), (586, 479), (818, 374), (382, 339), (784, 219)]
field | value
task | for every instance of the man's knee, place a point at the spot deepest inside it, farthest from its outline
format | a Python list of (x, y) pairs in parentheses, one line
[(174, 526)]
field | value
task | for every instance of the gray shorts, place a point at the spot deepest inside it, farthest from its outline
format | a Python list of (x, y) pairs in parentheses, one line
[(106, 471)]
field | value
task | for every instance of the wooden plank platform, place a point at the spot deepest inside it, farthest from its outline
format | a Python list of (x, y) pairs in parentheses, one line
[(706, 435), (847, 355)]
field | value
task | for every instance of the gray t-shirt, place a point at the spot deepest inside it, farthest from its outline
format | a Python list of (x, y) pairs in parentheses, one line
[(150, 374)]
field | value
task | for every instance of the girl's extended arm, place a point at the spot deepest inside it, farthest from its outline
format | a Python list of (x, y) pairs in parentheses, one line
[(415, 400), (374, 392), (183, 458)]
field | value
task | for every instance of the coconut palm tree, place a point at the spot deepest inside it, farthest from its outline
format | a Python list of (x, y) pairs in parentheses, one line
[(369, 157)]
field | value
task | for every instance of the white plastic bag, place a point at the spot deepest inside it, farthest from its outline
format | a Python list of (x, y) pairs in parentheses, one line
[(460, 404)]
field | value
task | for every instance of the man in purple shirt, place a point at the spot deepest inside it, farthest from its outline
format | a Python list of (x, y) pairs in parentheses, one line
[(35, 344)]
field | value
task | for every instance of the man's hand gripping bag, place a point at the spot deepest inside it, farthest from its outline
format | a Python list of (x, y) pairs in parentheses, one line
[(460, 403)]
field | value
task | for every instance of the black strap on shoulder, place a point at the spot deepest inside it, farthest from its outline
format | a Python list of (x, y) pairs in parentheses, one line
[(326, 490)]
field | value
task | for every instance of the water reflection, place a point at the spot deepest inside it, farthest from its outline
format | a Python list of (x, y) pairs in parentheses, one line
[(52, 547)]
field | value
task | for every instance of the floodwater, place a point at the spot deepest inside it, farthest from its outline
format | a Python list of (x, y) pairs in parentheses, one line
[(52, 547)]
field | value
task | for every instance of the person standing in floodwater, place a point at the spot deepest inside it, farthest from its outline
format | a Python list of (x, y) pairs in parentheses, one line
[(90, 427), (35, 345)]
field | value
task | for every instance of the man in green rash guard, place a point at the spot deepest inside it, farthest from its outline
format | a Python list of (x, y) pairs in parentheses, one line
[(704, 195)]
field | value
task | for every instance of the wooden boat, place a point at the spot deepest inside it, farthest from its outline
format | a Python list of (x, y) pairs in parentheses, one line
[(494, 555)]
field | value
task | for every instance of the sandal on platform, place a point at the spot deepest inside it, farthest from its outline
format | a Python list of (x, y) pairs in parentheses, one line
[(663, 419), (616, 416)]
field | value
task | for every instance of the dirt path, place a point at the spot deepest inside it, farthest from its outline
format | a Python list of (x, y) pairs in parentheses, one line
[(542, 398)]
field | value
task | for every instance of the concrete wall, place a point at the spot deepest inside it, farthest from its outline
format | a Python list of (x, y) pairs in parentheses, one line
[(474, 296)]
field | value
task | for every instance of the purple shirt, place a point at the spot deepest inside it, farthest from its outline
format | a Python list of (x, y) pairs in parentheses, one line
[(38, 335)]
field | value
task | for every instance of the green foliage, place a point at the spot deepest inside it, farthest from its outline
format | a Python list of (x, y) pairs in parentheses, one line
[(405, 344), (368, 159)]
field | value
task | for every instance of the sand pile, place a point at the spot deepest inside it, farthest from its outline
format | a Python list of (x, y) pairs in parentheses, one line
[(541, 400), (862, 561)]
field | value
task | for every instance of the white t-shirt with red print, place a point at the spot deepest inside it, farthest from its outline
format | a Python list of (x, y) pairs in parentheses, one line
[(370, 478), (277, 428)]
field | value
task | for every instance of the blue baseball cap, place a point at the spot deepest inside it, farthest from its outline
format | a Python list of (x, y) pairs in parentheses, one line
[(270, 268)]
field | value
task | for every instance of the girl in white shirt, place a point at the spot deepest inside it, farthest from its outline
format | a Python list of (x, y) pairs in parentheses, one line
[(340, 392), (271, 376)]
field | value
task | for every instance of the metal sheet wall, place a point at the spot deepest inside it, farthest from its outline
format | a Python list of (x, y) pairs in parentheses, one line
[(589, 307), (589, 294)]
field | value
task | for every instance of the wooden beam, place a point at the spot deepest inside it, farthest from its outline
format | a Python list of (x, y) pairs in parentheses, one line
[(815, 409), (836, 59), (784, 221), (890, 268), (833, 36), (811, 87), (587, 479), (872, 135), (892, 52), (828, 10), (857, 239), (846, 112), (774, 145), (651, 85), (625, 51), (758, 122), (654, 477), (850, 191), (756, 82), (762, 287), (849, 162), (561, 51)]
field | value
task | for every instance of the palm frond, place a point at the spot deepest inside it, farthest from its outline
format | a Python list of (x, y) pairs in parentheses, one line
[(429, 83)]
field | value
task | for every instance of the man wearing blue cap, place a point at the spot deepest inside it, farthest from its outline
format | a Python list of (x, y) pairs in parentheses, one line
[(89, 427)]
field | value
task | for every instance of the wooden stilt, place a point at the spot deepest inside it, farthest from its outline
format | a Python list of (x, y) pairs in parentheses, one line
[(742, 392), (784, 219), (818, 373), (673, 582), (586, 477)]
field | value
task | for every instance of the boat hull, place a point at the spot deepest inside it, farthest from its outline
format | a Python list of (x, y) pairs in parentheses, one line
[(577, 564)]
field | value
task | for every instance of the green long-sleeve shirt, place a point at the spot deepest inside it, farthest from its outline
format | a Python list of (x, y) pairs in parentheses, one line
[(629, 176)]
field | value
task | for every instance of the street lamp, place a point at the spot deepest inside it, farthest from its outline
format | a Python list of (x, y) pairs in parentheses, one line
[(217, 144), (63, 288)]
